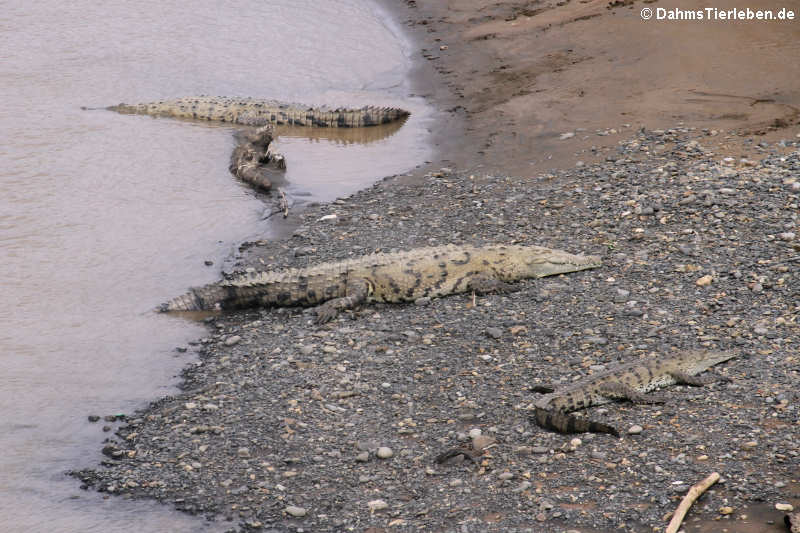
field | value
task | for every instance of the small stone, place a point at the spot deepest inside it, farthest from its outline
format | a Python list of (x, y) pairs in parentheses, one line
[(384, 452), (233, 339), (525, 485), (506, 476), (574, 443), (208, 262), (306, 350), (297, 512), (362, 457), (494, 333), (481, 442), (377, 505), (705, 280), (635, 429), (94, 418), (787, 236), (190, 405), (726, 510), (475, 432), (567, 135), (749, 445), (456, 482), (243, 452), (784, 507), (702, 457), (539, 449)]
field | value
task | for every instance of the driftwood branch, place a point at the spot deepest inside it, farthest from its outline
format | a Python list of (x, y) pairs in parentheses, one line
[(695, 492), (284, 203)]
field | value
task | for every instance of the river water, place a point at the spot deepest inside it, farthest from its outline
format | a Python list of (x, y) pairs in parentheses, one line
[(103, 216)]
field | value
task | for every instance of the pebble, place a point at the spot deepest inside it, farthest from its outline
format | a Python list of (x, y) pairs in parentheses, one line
[(297, 512), (377, 505), (525, 485), (635, 429), (481, 442), (506, 476), (384, 452), (539, 449), (234, 339), (494, 333), (574, 443), (362, 457), (726, 510), (705, 280), (306, 350), (788, 507), (243, 452), (567, 135), (749, 445), (475, 432)]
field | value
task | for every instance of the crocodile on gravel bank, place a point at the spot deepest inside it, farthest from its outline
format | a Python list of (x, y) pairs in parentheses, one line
[(630, 381), (254, 112), (385, 277)]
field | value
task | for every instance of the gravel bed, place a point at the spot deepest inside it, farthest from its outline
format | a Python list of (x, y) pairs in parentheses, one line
[(283, 425)]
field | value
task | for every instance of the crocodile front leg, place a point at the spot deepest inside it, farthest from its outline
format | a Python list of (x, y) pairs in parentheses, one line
[(485, 284), (698, 381), (357, 292)]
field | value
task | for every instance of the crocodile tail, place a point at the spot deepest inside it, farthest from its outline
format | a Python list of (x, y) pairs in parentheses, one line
[(567, 423), (206, 298)]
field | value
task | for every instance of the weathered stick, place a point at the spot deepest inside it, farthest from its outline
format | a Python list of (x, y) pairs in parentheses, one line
[(695, 492), (284, 203)]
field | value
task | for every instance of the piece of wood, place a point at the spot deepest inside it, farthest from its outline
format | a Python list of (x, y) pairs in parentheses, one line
[(695, 492)]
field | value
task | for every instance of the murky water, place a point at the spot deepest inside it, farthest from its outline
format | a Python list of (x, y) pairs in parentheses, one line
[(103, 216)]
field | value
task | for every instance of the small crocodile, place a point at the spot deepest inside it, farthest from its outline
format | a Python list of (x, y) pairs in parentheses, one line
[(630, 381), (385, 277), (254, 112)]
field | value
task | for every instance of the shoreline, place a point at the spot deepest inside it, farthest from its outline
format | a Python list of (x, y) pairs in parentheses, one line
[(289, 417)]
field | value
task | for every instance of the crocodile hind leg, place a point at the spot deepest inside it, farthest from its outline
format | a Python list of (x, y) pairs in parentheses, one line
[(620, 391), (357, 292), (485, 284)]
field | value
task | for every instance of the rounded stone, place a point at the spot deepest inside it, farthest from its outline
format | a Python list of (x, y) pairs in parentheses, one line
[(362, 457), (377, 505), (635, 429), (384, 452), (296, 511)]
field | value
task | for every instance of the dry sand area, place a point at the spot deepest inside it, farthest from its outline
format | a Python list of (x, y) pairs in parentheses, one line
[(517, 75)]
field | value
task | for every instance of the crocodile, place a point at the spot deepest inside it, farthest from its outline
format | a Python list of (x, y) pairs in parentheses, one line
[(385, 277), (255, 112), (630, 381), (253, 162)]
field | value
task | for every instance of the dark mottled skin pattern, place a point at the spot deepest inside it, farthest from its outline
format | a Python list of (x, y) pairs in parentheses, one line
[(629, 382), (395, 277)]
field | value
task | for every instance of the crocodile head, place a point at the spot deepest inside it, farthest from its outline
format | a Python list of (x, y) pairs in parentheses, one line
[(540, 262)]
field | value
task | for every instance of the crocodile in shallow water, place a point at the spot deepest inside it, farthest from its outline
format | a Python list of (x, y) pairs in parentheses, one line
[(630, 381), (254, 112), (385, 277)]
